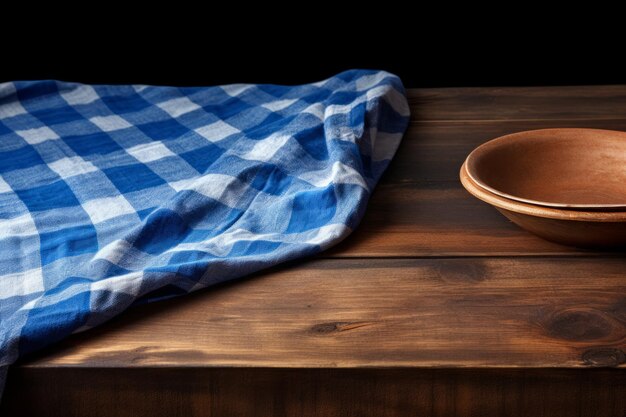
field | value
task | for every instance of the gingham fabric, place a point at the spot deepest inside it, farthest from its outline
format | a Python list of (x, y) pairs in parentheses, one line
[(114, 195)]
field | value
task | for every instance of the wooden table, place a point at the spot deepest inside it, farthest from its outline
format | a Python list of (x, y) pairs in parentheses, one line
[(436, 305)]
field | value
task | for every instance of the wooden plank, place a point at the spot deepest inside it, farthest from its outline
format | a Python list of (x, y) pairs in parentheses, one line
[(435, 152), (235, 392), (421, 209), (411, 313), (440, 219), (518, 103)]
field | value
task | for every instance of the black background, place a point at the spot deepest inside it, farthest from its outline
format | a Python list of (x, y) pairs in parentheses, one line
[(457, 50)]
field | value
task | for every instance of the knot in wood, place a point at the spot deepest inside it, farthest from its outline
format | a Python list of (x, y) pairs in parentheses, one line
[(337, 326), (580, 325), (602, 357)]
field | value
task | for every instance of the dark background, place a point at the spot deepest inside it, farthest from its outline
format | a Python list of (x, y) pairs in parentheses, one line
[(448, 53)]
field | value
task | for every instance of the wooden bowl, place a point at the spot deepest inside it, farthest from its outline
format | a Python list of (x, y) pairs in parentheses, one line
[(564, 168), (568, 227)]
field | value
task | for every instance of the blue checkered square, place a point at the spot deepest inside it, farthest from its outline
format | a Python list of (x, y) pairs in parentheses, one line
[(68, 242), (129, 178), (47, 197), (19, 158), (164, 129), (96, 143)]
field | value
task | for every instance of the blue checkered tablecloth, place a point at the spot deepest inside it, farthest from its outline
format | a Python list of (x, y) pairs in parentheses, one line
[(117, 195)]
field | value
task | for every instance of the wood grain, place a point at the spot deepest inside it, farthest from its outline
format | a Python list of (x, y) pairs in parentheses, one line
[(166, 392), (473, 312), (439, 219), (518, 103), (435, 152)]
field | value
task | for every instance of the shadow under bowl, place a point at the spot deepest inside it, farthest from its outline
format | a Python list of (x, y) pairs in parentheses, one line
[(563, 168), (586, 229)]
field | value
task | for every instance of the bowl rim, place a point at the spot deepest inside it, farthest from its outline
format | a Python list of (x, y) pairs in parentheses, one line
[(471, 171), (534, 210)]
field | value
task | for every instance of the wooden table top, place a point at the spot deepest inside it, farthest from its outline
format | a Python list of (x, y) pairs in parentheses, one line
[(432, 278)]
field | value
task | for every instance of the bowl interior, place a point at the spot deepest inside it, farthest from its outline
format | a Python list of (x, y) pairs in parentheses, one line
[(613, 216), (567, 168)]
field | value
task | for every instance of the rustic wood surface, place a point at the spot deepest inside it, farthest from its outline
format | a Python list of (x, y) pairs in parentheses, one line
[(436, 305)]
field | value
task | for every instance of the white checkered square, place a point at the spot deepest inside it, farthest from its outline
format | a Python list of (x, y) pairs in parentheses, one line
[(115, 251), (235, 90), (21, 283), (71, 166), (316, 109), (122, 284), (23, 225), (224, 188), (81, 94), (264, 150), (178, 106), (12, 108), (217, 131), (103, 209), (110, 123), (4, 187), (37, 135), (149, 152), (279, 104), (369, 81)]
